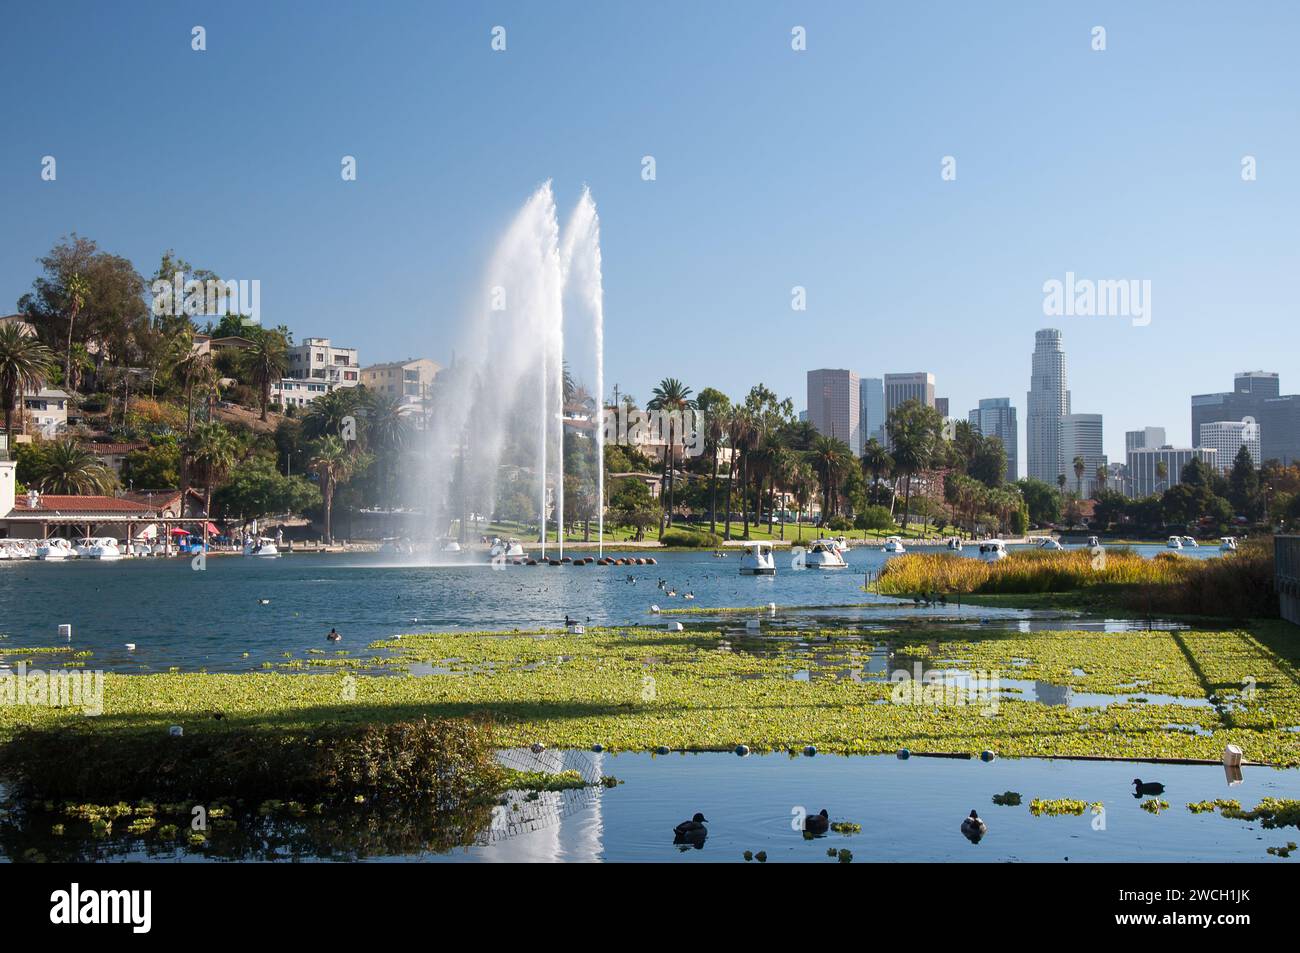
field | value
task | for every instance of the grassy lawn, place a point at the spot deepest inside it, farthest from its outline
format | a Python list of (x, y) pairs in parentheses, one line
[(757, 532), (636, 689)]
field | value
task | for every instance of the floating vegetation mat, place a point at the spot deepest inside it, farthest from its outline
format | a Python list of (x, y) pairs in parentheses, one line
[(645, 689)]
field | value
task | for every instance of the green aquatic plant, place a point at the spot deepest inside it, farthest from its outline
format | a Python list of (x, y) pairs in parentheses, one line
[(1059, 806), (1203, 807), (1271, 812), (1154, 805), (1007, 798), (846, 827), (1282, 851)]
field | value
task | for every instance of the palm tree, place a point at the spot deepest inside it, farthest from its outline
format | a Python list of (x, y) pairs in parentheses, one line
[(1102, 477), (333, 463), (913, 429), (1080, 466), (829, 458), (673, 397), (68, 467), (265, 362), (736, 423), (76, 291), (1060, 480), (875, 461), (194, 369), (714, 406), (803, 483), (1162, 471), (24, 364), (387, 430), (328, 413), (212, 451)]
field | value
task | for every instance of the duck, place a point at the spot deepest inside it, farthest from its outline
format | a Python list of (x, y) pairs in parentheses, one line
[(691, 833), (263, 602), (817, 824), (973, 827), (671, 592), (694, 825), (689, 595), (1147, 787)]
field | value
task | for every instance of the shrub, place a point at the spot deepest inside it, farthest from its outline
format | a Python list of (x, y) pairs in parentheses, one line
[(445, 762), (681, 536)]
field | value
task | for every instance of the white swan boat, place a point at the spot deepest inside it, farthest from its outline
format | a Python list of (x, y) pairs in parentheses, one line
[(1175, 542), (1189, 542), (1228, 544), (1093, 541), (993, 549), (263, 547), (758, 560), (841, 543), (448, 544), (102, 547), (893, 545), (955, 544), (55, 549), (825, 554), (1049, 543), (506, 547)]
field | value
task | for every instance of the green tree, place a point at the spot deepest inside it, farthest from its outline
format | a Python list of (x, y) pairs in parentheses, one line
[(24, 365), (265, 362), (211, 450), (257, 490), (70, 468), (155, 468), (333, 463), (672, 397), (1243, 484), (913, 430), (1080, 467)]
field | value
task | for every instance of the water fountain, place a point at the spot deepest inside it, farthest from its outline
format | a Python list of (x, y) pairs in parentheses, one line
[(497, 412)]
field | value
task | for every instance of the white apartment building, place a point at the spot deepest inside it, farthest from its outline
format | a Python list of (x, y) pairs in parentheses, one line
[(319, 360), (408, 382), (1227, 437), (48, 410), (291, 392)]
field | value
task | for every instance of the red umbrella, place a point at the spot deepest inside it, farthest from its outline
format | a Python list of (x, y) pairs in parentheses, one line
[(213, 531), (178, 531)]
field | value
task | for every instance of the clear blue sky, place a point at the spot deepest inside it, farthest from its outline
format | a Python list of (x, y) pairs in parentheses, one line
[(775, 169)]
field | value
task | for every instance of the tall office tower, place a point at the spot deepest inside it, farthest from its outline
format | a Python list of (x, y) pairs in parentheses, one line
[(1048, 401), (1146, 437), (1081, 438), (941, 405), (995, 417), (904, 387), (1144, 463), (871, 402), (1255, 394), (1227, 437), (833, 406)]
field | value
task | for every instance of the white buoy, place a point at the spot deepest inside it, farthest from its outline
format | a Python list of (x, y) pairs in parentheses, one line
[(771, 607), (1231, 756), (176, 731), (130, 646), (65, 631), (674, 626), (576, 628), (654, 609)]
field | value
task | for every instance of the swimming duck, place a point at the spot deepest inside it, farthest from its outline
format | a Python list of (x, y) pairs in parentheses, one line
[(691, 833), (817, 823), (973, 827), (689, 595), (1147, 787), (693, 826)]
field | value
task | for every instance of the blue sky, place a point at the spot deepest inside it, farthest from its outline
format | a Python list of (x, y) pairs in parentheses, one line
[(775, 169)]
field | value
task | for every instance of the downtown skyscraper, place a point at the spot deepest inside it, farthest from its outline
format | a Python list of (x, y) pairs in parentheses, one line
[(834, 408), (1048, 402), (995, 417)]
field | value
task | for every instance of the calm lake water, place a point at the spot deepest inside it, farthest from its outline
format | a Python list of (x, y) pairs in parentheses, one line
[(909, 811), (179, 617)]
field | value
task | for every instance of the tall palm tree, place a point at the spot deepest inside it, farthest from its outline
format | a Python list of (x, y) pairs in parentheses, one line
[(69, 467), (333, 463), (212, 450), (194, 369), (76, 291), (875, 461), (803, 483), (830, 456), (714, 406), (24, 364), (1080, 467), (265, 361), (1102, 477), (1162, 471), (327, 414), (1061, 479), (736, 422), (387, 430), (673, 397)]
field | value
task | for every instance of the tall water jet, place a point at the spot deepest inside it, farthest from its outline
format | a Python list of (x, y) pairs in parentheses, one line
[(494, 438), (584, 298)]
